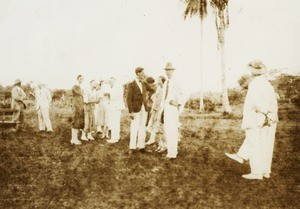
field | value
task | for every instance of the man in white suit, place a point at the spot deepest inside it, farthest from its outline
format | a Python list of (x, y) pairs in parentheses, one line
[(17, 103), (43, 100), (116, 105), (173, 102), (259, 122)]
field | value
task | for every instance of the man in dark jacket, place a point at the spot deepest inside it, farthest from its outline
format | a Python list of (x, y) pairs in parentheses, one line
[(136, 103)]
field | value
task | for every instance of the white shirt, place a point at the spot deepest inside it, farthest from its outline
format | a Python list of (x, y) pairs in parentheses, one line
[(43, 98), (174, 92), (139, 83)]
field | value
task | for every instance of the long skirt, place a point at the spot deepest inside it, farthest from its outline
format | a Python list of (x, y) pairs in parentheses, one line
[(78, 117)]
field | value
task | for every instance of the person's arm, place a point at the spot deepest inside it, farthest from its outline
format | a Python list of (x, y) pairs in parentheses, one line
[(259, 96), (49, 96), (129, 98), (17, 95), (77, 90), (179, 100)]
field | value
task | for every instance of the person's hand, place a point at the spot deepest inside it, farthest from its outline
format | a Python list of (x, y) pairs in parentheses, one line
[(131, 115), (172, 102)]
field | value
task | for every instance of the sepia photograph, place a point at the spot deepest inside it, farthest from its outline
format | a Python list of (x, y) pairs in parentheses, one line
[(150, 104)]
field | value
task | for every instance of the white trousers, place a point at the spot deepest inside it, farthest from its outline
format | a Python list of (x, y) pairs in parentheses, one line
[(138, 130), (258, 149), (44, 119), (268, 140), (115, 123), (171, 121)]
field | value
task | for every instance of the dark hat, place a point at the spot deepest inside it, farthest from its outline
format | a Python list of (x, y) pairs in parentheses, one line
[(139, 70), (150, 80)]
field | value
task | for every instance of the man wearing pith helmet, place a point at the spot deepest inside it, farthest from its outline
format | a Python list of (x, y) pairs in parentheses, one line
[(259, 122), (17, 102), (173, 101)]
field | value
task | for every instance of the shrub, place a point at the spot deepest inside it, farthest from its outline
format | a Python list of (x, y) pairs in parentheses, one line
[(236, 96), (194, 104)]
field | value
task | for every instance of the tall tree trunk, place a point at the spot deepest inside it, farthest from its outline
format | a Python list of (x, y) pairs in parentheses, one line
[(225, 100), (201, 107), (221, 36)]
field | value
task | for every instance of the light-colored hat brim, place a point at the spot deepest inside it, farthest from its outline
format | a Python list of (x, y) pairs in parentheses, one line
[(17, 82), (255, 71)]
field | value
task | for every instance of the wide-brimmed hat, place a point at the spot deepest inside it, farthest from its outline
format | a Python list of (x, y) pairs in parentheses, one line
[(17, 81), (257, 67), (169, 66)]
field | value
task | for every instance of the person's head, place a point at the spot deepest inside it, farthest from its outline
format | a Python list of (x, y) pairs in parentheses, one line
[(151, 82), (101, 82), (112, 81), (139, 72), (17, 82), (161, 80), (169, 69), (98, 85), (80, 79), (106, 95), (93, 84), (40, 85), (257, 68)]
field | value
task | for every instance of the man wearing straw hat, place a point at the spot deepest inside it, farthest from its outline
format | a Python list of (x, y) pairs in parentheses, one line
[(173, 101), (17, 102), (259, 122)]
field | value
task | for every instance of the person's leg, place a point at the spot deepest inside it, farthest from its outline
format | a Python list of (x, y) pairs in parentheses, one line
[(152, 137), (142, 129), (91, 124), (246, 148), (118, 124), (115, 125), (46, 118), (255, 153), (74, 139), (42, 126), (171, 131), (134, 130), (268, 140), (86, 124)]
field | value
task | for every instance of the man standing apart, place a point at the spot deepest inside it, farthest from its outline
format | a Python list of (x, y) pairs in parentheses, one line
[(43, 100), (17, 102), (136, 102), (259, 122), (173, 101), (115, 107)]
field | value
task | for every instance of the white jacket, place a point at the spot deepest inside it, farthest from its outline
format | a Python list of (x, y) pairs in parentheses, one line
[(43, 98), (260, 100)]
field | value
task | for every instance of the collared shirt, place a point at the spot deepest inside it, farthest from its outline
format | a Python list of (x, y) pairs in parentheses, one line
[(172, 91), (139, 83)]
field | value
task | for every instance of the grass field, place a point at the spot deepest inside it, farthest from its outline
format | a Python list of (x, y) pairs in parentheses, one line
[(45, 171)]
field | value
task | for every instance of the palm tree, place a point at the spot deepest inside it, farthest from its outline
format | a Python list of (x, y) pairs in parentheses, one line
[(198, 7), (220, 8)]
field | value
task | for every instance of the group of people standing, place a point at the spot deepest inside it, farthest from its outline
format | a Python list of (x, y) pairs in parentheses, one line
[(153, 105), (97, 109)]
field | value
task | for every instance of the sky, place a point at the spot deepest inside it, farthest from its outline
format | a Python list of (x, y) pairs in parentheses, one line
[(52, 41)]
